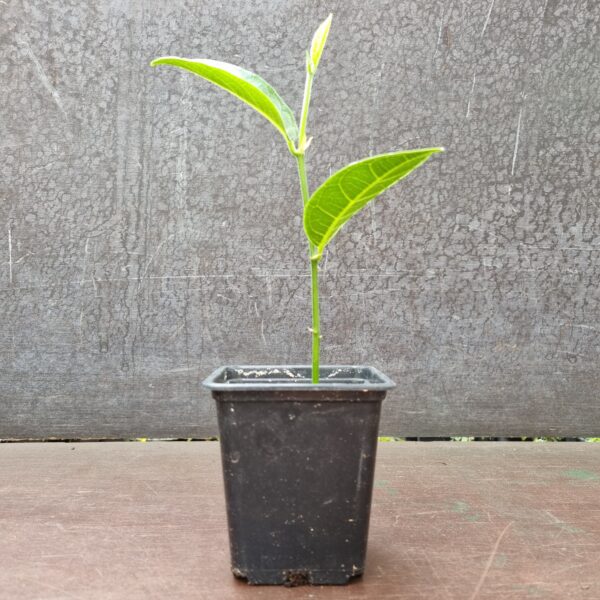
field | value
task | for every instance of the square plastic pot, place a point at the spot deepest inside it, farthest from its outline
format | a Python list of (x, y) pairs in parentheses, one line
[(298, 464)]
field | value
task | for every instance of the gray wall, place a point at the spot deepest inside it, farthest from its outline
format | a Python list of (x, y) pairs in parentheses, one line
[(151, 228)]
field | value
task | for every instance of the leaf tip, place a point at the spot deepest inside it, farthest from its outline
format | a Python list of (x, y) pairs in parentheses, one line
[(318, 43), (158, 61)]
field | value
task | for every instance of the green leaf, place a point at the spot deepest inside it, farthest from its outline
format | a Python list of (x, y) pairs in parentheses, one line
[(246, 86), (346, 192), (318, 43)]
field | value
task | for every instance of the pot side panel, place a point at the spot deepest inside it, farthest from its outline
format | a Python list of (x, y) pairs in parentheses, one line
[(298, 481)]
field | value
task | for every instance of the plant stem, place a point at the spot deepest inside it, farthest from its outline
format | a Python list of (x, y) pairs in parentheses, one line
[(316, 332), (314, 277), (303, 179), (305, 105), (314, 261)]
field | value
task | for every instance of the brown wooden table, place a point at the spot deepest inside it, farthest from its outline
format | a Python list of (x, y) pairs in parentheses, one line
[(450, 521)]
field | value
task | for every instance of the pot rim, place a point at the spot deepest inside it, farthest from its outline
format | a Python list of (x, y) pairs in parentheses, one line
[(297, 377)]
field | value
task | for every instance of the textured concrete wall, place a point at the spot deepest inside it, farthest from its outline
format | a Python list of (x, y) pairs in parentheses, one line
[(151, 225)]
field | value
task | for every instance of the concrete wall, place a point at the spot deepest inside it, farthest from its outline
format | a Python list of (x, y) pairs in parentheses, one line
[(150, 225)]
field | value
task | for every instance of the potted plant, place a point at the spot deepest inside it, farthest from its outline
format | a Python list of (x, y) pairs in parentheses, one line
[(298, 443)]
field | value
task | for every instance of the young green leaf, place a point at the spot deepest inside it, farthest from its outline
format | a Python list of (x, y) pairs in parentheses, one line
[(246, 86), (350, 189), (318, 43)]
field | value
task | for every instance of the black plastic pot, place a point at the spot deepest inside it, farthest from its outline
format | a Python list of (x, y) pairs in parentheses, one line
[(298, 463)]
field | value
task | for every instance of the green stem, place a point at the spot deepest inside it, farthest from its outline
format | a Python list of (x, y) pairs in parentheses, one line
[(316, 332), (305, 105), (303, 178), (314, 277)]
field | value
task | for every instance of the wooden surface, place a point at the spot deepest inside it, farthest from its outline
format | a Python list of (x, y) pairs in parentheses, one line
[(450, 521), (150, 224)]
